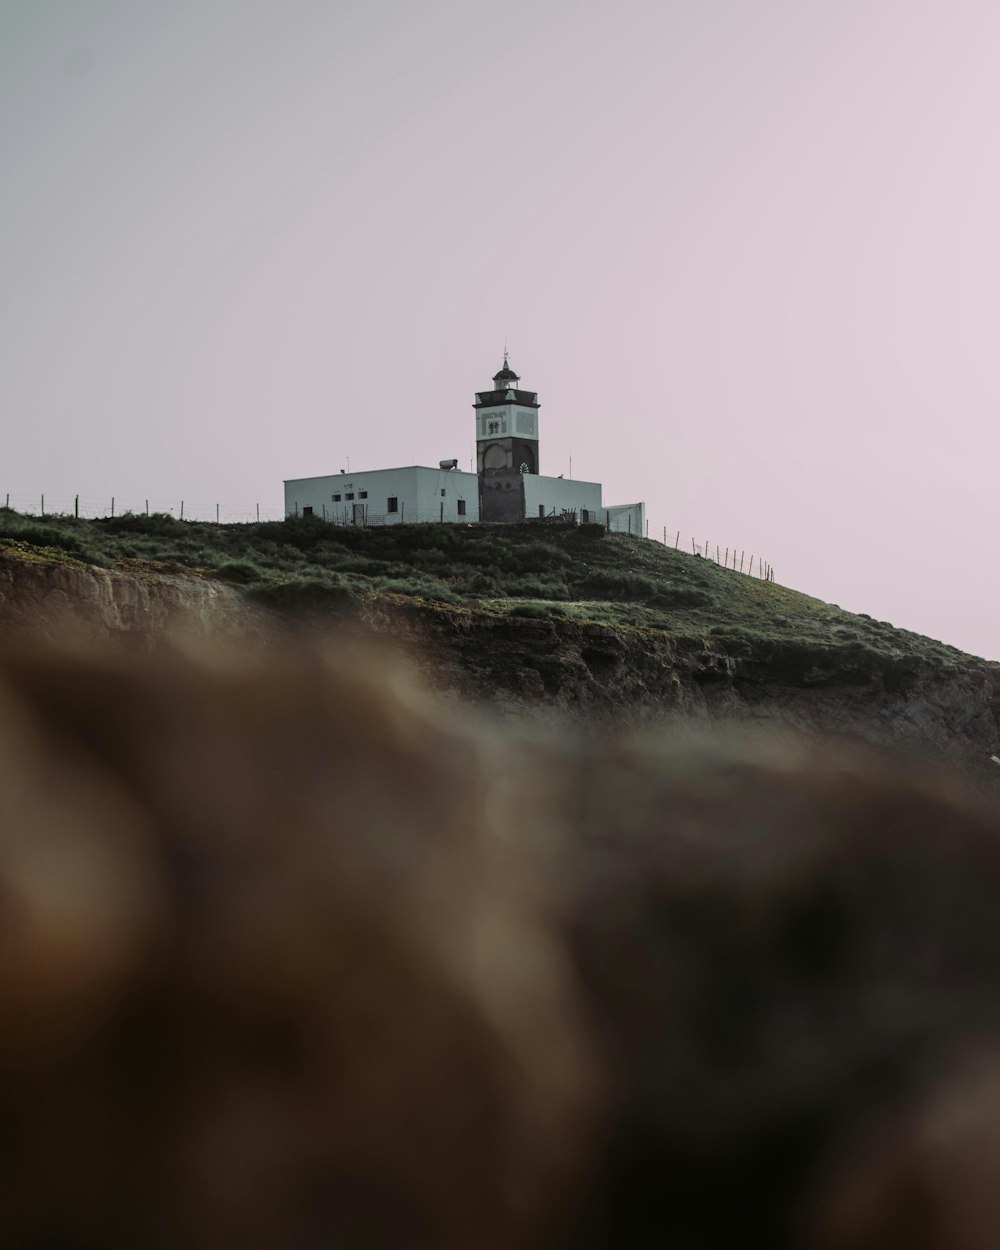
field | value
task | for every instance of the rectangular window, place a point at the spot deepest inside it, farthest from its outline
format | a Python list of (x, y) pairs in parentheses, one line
[(584, 516), (307, 511), (336, 499), (442, 492), (393, 504), (349, 495), (362, 494), (461, 507)]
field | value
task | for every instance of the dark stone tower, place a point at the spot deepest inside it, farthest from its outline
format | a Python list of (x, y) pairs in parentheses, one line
[(506, 445)]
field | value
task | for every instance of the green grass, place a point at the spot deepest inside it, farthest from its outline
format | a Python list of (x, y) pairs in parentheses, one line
[(573, 574)]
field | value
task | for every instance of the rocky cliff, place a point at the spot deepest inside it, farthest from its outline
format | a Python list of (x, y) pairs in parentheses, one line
[(946, 711), (900, 696), (42, 598)]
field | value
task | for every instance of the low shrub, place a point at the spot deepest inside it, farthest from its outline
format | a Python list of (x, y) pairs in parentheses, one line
[(612, 584), (539, 557), (535, 587), (140, 523), (240, 572), (54, 537), (532, 611), (671, 596), (419, 587), (734, 632), (303, 532), (190, 559), (304, 596)]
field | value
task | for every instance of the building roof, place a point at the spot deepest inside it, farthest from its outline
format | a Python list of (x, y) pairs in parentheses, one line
[(493, 399), (506, 373), (360, 473)]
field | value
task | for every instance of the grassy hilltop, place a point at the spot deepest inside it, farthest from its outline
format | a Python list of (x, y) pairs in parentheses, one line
[(537, 569)]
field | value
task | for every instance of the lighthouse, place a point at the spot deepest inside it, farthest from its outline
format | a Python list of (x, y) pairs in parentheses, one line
[(506, 445)]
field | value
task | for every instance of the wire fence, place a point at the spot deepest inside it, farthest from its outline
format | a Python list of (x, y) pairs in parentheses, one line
[(750, 564), (185, 510), (735, 558), (360, 514)]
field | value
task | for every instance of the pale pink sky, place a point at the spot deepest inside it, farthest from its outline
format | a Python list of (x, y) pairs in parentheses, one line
[(748, 254)]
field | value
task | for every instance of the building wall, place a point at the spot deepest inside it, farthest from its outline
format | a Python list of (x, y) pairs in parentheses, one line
[(416, 489), (558, 495), (507, 421), (626, 518), (438, 493), (502, 496), (507, 455)]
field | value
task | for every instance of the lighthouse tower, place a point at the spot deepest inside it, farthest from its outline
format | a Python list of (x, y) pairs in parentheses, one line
[(506, 445)]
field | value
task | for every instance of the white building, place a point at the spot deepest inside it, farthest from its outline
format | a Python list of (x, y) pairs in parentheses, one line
[(507, 486), (386, 496)]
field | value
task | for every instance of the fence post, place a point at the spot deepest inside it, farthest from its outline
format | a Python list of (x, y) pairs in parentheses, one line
[(727, 558), (147, 507), (258, 512), (677, 540), (76, 507), (43, 505), (693, 552), (112, 506), (742, 554), (630, 522), (182, 509), (217, 514)]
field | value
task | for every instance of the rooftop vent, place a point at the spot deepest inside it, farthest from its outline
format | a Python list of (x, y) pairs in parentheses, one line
[(447, 464)]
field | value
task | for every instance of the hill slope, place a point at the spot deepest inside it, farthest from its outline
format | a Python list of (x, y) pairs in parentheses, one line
[(612, 627), (540, 570)]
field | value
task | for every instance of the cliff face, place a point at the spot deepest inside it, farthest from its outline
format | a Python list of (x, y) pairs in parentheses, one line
[(42, 598), (947, 711)]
